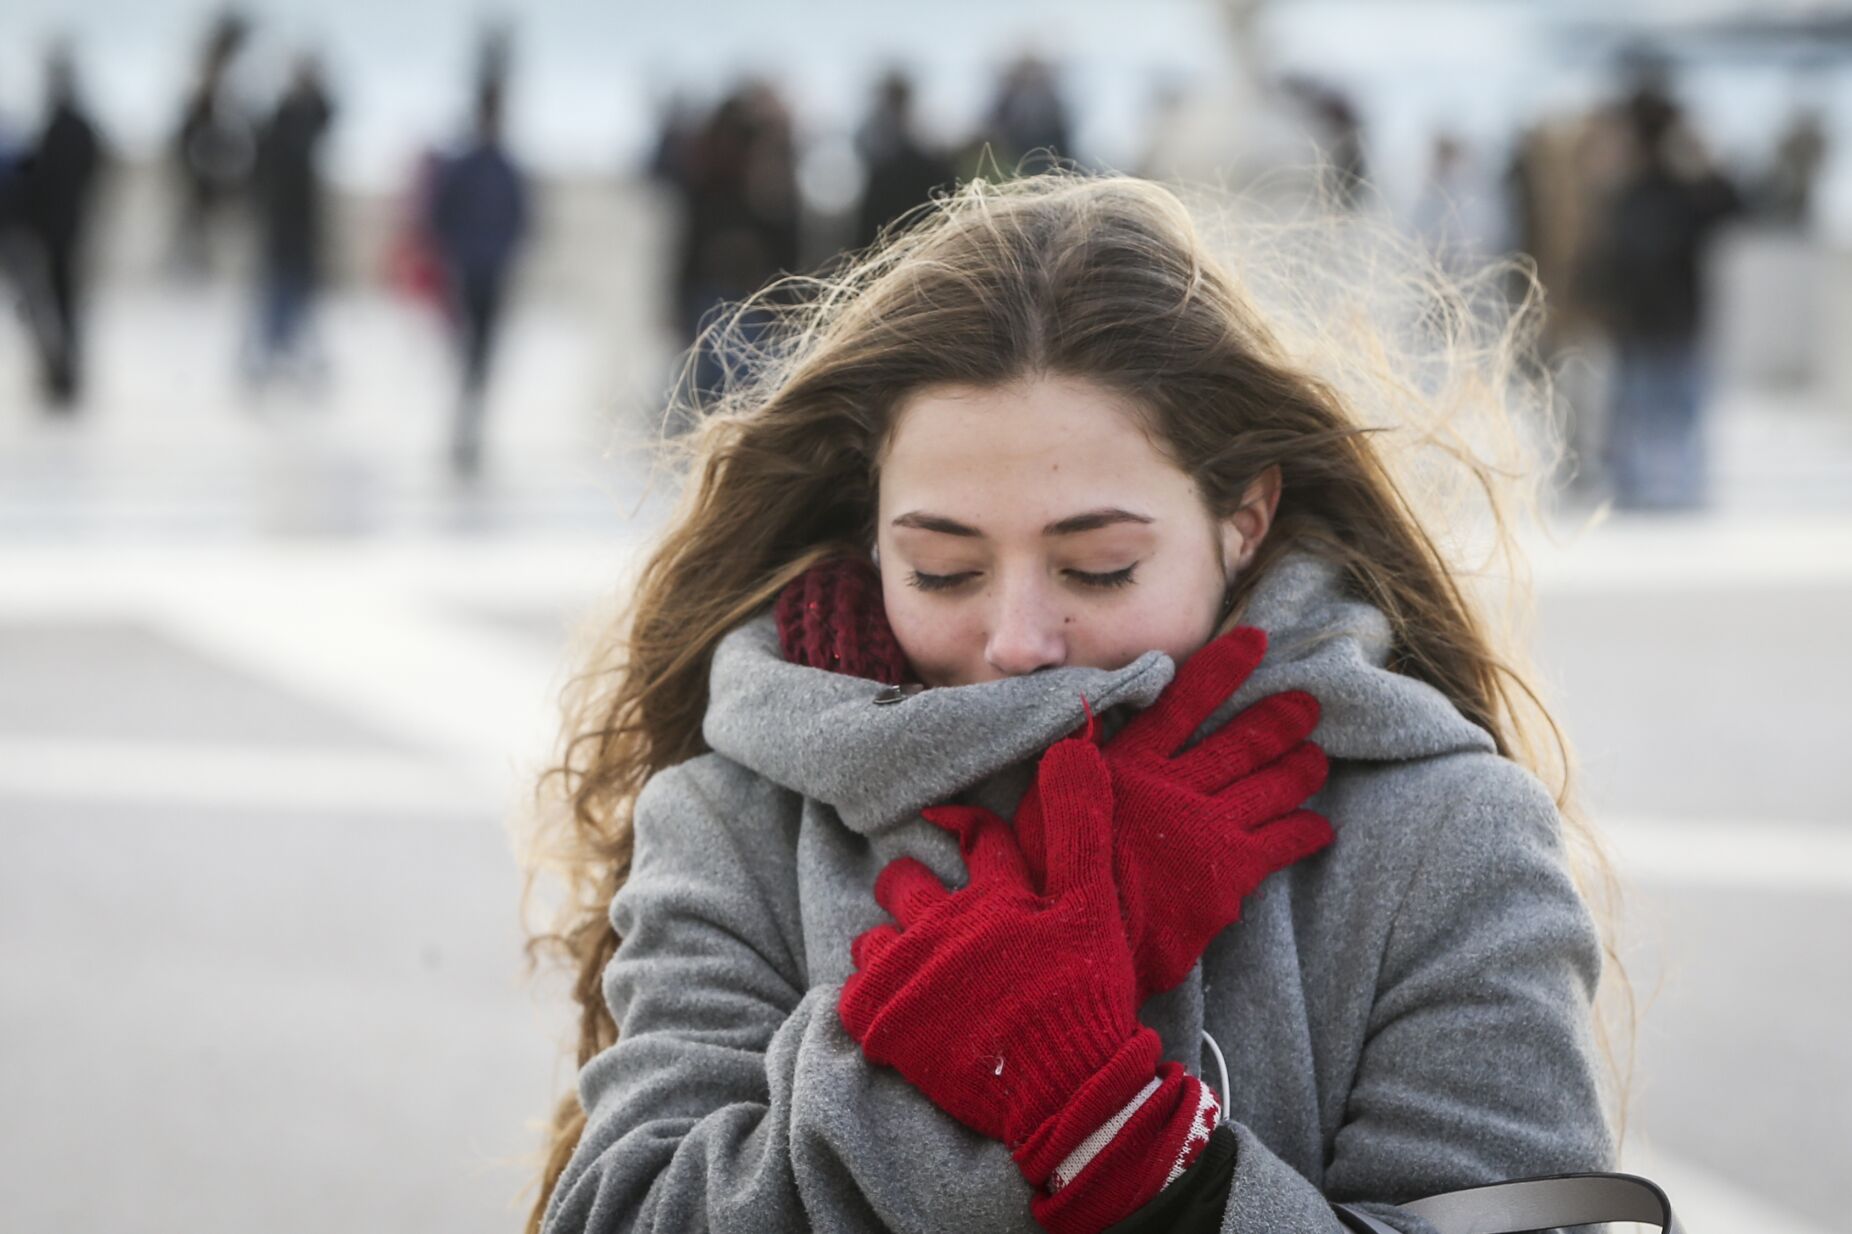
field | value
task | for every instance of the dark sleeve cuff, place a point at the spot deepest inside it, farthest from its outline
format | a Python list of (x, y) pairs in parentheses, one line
[(1194, 1204)]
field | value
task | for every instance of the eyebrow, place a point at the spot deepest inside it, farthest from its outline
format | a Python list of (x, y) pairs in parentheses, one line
[(1092, 520)]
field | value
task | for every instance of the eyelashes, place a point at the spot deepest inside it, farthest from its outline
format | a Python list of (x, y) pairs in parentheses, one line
[(944, 582)]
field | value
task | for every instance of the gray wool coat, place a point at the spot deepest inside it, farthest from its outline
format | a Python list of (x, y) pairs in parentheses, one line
[(1405, 1013)]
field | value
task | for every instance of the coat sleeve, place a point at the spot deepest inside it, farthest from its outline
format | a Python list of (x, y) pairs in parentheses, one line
[(1479, 1062), (733, 1099)]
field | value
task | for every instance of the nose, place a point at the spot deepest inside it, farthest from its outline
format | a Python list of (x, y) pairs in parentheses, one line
[(1025, 630)]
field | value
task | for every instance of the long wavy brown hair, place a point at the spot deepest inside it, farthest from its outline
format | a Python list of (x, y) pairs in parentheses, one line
[(1413, 441)]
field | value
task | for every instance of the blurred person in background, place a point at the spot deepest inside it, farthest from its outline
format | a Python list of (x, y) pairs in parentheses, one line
[(677, 124), (13, 150), (287, 194), (902, 169), (55, 188), (1028, 127), (1785, 194), (16, 245), (671, 165), (212, 148), (478, 218), (740, 222), (1562, 173), (1646, 277)]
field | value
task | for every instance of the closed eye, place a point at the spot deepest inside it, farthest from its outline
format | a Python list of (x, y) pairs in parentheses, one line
[(944, 582)]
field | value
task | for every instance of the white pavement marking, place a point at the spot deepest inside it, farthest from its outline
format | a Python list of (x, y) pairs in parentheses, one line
[(1752, 853), (1707, 1203), (269, 781), (371, 630), (117, 578), (1646, 555), (458, 687)]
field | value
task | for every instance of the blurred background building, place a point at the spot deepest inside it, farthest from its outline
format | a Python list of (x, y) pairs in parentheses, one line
[(328, 336)]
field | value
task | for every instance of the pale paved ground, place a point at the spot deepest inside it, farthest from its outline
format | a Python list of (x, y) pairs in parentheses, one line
[(269, 685)]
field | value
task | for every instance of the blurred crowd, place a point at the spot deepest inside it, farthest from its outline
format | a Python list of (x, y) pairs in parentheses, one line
[(1618, 207), (466, 217)]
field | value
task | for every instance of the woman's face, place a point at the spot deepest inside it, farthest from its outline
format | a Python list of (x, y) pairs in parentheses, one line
[(1033, 525)]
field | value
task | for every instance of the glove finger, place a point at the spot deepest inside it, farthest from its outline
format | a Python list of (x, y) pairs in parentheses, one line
[(1031, 828), (888, 961), (871, 944), (1076, 794), (1281, 786), (1203, 683), (1255, 856), (1243, 860), (860, 1003), (1307, 767), (995, 858), (909, 890), (1292, 838), (1252, 739)]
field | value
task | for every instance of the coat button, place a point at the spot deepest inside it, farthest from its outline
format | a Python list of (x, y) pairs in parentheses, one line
[(890, 694)]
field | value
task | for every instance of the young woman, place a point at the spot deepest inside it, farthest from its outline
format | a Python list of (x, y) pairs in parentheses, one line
[(948, 847)]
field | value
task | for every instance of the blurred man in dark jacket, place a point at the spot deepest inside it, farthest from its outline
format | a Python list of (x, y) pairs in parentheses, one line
[(212, 147), (902, 170), (1647, 278), (56, 185), (288, 196), (478, 218)]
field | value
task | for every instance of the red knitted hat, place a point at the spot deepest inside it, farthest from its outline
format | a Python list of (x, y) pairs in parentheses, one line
[(831, 617)]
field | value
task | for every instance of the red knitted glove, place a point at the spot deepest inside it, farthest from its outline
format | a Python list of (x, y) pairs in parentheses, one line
[(1013, 1011), (1194, 835), (999, 1003)]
